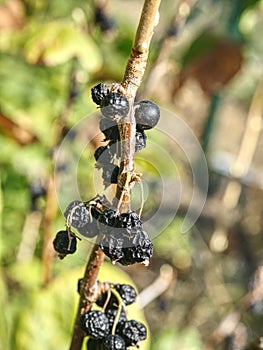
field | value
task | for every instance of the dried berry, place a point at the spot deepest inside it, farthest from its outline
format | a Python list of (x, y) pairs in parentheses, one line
[(110, 174), (111, 313), (77, 214), (147, 114), (140, 249), (99, 92), (95, 324), (140, 138), (65, 243), (127, 293), (114, 342), (109, 129), (114, 106), (103, 155), (132, 332), (113, 246)]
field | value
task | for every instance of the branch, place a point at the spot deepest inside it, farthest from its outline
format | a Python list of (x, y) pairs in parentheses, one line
[(132, 79)]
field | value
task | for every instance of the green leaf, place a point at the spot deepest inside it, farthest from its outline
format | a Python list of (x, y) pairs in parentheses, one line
[(57, 42)]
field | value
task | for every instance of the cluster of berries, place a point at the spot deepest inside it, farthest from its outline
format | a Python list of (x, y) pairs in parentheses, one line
[(109, 328), (121, 236), (114, 106)]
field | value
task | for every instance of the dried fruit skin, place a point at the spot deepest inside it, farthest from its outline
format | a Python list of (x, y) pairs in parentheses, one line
[(78, 214), (114, 105), (99, 92), (132, 332), (114, 342), (95, 324)]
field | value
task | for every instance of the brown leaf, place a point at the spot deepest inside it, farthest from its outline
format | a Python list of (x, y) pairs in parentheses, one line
[(216, 67), (16, 132)]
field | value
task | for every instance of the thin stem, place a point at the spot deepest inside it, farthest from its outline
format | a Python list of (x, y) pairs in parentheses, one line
[(88, 294)]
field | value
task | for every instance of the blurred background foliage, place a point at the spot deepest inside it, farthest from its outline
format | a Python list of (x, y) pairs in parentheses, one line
[(203, 289)]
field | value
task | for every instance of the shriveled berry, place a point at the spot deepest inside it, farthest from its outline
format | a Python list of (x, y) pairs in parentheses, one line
[(78, 214), (99, 92), (111, 313), (140, 138), (140, 249), (63, 244), (128, 220), (132, 332), (114, 342), (110, 174), (103, 155), (113, 246), (109, 129), (114, 106), (95, 324), (127, 293), (147, 114)]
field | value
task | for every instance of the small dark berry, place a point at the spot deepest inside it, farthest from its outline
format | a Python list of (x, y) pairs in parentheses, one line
[(99, 92), (110, 174), (109, 129), (103, 155), (63, 245), (111, 313), (95, 324), (147, 114), (78, 214), (114, 342), (114, 105), (140, 137), (112, 247), (132, 332), (127, 293)]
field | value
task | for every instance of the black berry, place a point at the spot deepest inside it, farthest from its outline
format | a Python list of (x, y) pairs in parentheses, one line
[(95, 324), (114, 342), (110, 174), (127, 293), (63, 244), (111, 313), (140, 138), (78, 214), (109, 129), (147, 114), (132, 332), (113, 247), (99, 92), (105, 22), (114, 105)]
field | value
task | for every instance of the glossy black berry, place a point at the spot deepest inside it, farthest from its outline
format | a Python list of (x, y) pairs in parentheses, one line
[(95, 324), (147, 114), (109, 129), (132, 332), (114, 105), (110, 174), (140, 142), (127, 293), (77, 214), (114, 342), (63, 244), (99, 92)]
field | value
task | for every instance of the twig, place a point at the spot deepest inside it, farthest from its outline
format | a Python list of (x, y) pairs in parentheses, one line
[(132, 79)]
